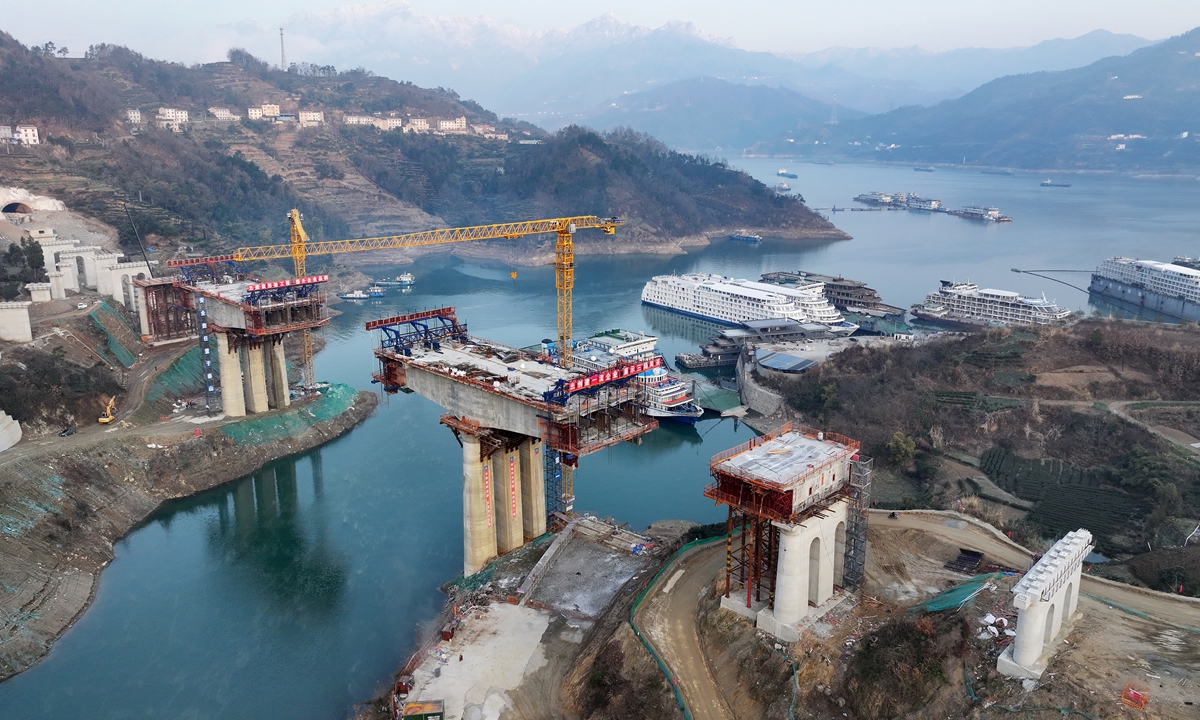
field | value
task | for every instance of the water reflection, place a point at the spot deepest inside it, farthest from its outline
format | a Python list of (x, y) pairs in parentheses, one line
[(262, 529), (666, 322)]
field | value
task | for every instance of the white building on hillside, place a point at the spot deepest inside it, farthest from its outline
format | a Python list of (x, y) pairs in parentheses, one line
[(311, 117), (270, 110), (133, 115), (358, 120), (417, 125), (222, 114), (27, 134), (457, 126)]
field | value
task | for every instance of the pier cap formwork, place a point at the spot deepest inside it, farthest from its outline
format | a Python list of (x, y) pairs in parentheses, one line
[(576, 411), (786, 475)]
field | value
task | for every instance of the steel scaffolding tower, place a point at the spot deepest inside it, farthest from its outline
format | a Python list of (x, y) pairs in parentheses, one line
[(856, 532)]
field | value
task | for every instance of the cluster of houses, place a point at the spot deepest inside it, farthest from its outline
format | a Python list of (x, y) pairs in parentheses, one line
[(437, 126), (176, 120), (19, 135)]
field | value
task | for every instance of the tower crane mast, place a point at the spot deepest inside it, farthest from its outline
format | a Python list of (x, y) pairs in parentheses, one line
[(564, 259)]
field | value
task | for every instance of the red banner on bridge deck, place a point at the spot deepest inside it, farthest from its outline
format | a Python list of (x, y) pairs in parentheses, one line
[(618, 373), (275, 285)]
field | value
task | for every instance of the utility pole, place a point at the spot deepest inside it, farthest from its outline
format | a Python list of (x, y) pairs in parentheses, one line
[(282, 55)]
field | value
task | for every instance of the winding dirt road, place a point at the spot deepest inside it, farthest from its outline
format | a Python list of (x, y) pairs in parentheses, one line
[(668, 615), (668, 620)]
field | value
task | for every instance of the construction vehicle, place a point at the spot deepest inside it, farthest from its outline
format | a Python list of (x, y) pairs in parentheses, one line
[(107, 417), (564, 260)]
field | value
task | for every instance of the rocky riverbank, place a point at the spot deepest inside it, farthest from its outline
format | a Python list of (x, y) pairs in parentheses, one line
[(63, 507)]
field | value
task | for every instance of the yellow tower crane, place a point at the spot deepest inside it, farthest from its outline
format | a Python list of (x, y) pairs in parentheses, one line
[(564, 259)]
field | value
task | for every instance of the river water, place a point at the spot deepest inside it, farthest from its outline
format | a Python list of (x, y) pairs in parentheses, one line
[(295, 592)]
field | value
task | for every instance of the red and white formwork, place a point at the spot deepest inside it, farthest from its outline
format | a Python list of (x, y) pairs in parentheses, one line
[(240, 325)]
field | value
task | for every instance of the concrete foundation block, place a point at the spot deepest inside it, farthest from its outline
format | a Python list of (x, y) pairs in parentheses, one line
[(767, 622), (1007, 666)]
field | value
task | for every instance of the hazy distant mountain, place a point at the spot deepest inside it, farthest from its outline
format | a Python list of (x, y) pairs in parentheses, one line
[(1081, 118), (956, 72), (554, 77), (708, 114)]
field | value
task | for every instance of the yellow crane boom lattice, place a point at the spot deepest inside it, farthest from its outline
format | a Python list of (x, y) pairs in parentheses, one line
[(564, 258)]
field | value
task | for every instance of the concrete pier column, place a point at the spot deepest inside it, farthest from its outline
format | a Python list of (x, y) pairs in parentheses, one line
[(277, 375), (533, 488), (254, 378), (479, 527), (1031, 633), (58, 289), (510, 528), (70, 273), (143, 310), (232, 397), (791, 578)]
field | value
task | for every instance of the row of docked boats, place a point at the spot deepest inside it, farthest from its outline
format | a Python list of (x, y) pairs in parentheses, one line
[(378, 288)]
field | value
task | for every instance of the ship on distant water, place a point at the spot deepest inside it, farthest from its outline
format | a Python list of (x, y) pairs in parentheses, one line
[(925, 169), (785, 174), (746, 237), (782, 188), (1050, 183), (978, 212)]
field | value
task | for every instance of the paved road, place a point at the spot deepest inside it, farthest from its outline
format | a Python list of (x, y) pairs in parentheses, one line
[(668, 620)]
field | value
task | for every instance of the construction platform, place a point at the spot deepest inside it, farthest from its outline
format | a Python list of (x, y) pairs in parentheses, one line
[(797, 500), (523, 417)]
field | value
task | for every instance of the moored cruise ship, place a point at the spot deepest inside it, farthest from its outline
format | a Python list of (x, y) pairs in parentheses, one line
[(733, 302), (1171, 289), (966, 306)]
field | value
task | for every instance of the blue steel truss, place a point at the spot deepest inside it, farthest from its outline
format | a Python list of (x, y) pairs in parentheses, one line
[(282, 294), (428, 332)]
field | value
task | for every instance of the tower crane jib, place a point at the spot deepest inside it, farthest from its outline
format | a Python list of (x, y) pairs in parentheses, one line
[(564, 229)]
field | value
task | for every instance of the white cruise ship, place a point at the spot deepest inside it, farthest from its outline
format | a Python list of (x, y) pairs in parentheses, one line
[(733, 302), (964, 305)]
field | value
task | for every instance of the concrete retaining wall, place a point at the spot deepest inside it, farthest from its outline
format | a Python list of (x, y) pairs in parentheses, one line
[(755, 396)]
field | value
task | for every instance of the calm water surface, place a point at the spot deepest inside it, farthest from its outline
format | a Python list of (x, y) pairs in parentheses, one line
[(295, 592)]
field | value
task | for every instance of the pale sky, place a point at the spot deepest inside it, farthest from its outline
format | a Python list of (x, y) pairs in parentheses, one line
[(202, 31)]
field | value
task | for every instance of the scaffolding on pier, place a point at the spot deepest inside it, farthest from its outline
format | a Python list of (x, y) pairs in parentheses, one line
[(856, 523)]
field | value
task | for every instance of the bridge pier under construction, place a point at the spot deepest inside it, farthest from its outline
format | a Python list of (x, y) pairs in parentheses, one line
[(522, 418)]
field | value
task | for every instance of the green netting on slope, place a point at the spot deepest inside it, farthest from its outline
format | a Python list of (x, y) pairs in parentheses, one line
[(108, 319), (956, 596), (182, 378), (277, 426)]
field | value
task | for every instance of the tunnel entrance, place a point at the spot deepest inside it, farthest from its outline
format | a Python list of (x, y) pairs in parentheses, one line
[(16, 207)]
